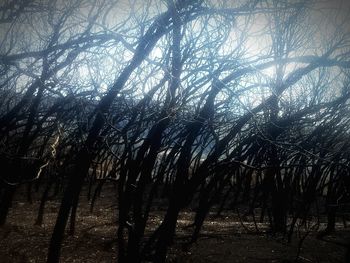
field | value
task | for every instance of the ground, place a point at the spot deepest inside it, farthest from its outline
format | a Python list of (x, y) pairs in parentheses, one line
[(223, 239)]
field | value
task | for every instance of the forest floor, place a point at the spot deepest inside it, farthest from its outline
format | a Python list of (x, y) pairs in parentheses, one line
[(223, 239)]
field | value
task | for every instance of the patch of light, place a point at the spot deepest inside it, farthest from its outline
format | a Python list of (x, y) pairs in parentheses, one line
[(104, 87)]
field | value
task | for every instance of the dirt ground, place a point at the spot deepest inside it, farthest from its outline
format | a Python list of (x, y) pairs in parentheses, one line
[(223, 239)]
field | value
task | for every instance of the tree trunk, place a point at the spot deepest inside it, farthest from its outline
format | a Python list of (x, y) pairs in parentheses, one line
[(6, 202), (167, 233), (70, 197)]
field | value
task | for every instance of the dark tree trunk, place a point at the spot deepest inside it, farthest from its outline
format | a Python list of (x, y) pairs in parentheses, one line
[(6, 202), (167, 233), (279, 212), (70, 197), (29, 193), (44, 198), (331, 218)]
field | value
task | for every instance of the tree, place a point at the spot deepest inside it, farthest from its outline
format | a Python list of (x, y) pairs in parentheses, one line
[(175, 97)]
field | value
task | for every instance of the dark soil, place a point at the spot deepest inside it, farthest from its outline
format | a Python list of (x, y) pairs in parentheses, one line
[(223, 239)]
